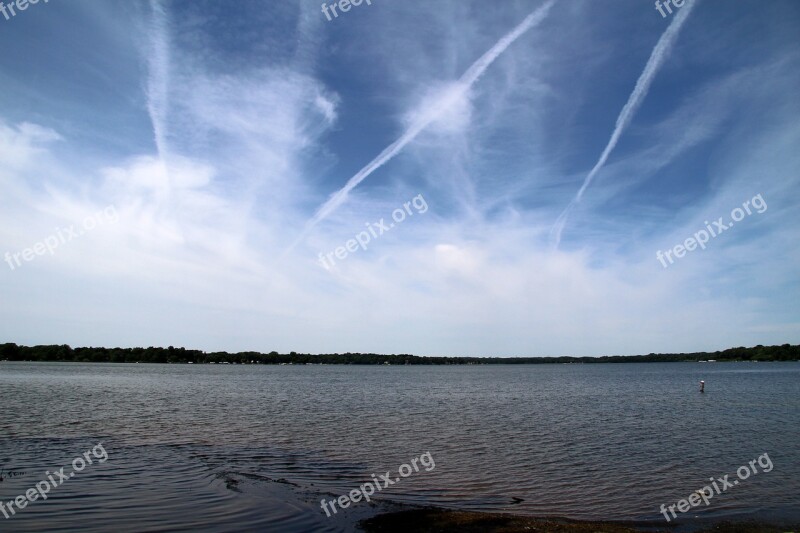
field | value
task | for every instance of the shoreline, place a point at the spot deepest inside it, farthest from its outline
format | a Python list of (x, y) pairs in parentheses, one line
[(438, 520), (10, 351)]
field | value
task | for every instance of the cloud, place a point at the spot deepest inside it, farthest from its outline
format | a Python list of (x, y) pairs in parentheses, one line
[(429, 112), (222, 153)]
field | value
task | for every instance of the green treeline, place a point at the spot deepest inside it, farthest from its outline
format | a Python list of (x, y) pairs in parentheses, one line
[(13, 352)]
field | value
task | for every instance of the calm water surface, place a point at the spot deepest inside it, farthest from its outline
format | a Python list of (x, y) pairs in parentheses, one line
[(236, 448)]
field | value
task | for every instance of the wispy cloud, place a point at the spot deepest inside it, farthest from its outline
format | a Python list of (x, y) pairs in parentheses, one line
[(433, 110)]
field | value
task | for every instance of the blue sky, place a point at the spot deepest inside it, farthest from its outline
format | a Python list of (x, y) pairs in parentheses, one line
[(223, 136)]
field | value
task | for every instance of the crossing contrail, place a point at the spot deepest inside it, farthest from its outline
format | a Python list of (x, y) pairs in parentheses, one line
[(657, 57), (420, 123)]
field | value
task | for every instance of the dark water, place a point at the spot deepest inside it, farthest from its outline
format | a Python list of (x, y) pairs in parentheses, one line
[(237, 448)]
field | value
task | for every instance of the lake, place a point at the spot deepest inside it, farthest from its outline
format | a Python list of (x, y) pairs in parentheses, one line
[(249, 447)]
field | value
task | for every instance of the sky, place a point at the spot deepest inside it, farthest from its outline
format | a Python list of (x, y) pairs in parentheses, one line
[(458, 177)]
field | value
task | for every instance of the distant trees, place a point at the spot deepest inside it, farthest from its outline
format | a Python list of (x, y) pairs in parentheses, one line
[(13, 352)]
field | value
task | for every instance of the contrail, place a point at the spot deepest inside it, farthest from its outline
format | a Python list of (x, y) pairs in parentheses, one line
[(657, 57), (462, 87), (158, 76)]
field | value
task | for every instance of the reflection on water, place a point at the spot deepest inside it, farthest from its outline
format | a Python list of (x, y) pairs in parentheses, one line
[(244, 447)]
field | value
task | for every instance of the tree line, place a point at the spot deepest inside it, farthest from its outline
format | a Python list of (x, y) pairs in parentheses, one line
[(64, 353)]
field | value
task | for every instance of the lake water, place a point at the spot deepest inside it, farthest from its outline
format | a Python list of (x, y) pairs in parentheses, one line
[(236, 448)]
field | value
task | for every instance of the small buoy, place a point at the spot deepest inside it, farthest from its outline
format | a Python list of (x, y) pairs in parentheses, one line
[(702, 386)]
